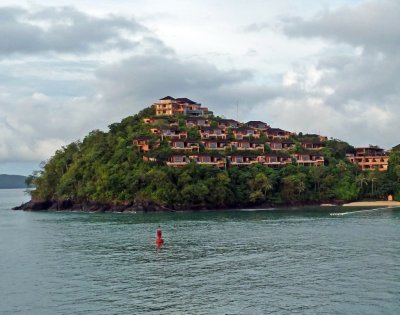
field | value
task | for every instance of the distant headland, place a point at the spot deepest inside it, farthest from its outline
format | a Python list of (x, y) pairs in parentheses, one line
[(12, 181), (176, 155)]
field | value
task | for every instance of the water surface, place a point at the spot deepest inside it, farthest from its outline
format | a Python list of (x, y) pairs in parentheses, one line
[(248, 262)]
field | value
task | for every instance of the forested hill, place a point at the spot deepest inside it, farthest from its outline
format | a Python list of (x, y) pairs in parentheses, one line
[(12, 181), (107, 168)]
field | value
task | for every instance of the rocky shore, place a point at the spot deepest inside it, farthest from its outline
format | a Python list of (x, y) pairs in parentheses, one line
[(142, 206), (89, 206)]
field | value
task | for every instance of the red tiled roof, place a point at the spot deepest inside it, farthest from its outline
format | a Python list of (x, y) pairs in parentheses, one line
[(167, 98), (227, 121), (186, 100)]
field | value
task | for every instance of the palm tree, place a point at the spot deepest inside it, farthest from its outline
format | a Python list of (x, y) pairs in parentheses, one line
[(316, 174), (372, 177), (301, 186), (261, 183), (362, 180), (342, 166)]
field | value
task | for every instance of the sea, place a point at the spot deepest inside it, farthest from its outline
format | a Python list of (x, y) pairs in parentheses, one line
[(286, 261)]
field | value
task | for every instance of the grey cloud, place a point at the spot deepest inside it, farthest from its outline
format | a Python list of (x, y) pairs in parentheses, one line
[(355, 99), (66, 30), (47, 103), (57, 78), (256, 27), (144, 78), (367, 77), (372, 24), (41, 116), (81, 98), (32, 128), (354, 91)]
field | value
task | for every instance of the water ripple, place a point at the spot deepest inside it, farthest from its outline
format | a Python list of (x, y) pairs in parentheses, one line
[(265, 262)]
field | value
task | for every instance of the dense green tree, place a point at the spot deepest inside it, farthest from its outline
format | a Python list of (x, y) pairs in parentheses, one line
[(293, 187), (107, 167), (346, 189), (259, 187)]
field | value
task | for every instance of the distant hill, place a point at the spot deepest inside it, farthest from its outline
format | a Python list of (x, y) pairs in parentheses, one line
[(12, 181)]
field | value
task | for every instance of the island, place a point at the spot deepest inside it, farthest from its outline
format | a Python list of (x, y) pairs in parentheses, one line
[(12, 181), (177, 155)]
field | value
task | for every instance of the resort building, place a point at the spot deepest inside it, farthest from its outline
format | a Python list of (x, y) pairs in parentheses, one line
[(185, 145), (155, 131), (370, 151), (242, 160), (258, 125), (144, 143), (274, 160), (209, 159), (228, 123), (148, 121), (159, 121), (246, 137), (276, 133), (251, 145), (177, 160), (149, 159), (169, 106), (212, 133), (245, 132), (309, 159), (216, 144), (279, 145), (197, 121), (370, 158), (315, 136), (173, 133), (312, 145)]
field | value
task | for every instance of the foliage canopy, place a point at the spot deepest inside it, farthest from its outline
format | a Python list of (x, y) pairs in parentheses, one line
[(106, 167)]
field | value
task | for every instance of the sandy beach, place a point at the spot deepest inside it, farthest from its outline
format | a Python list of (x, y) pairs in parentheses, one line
[(381, 203)]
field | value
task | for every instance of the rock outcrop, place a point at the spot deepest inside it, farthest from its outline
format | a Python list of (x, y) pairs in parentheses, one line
[(89, 206)]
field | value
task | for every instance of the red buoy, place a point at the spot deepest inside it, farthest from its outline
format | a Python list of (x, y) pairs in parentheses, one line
[(159, 239)]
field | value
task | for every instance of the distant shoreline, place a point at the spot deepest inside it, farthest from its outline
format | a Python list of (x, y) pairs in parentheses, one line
[(132, 207), (377, 203), (12, 181)]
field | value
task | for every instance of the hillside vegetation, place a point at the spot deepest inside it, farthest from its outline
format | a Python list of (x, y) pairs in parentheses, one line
[(105, 167)]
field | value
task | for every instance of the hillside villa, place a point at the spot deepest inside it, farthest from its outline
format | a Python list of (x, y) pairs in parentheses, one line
[(173, 133), (212, 133), (238, 144), (245, 132), (169, 106), (370, 158), (185, 144), (144, 143)]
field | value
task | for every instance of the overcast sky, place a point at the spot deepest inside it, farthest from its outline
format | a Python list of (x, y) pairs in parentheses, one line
[(328, 67)]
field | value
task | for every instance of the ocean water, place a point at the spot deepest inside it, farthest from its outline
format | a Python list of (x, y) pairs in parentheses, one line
[(230, 262)]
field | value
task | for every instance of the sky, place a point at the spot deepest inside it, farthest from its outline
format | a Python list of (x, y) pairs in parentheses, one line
[(326, 67)]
